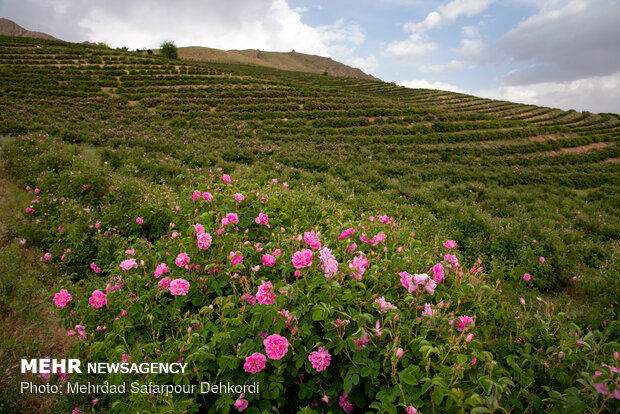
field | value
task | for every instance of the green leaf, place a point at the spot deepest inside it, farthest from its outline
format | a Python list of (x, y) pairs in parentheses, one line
[(408, 378), (438, 395), (317, 315)]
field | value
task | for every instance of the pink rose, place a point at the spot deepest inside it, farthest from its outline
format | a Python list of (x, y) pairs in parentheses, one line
[(181, 260), (320, 359), (450, 244), (302, 258), (269, 260), (179, 287), (98, 299), (276, 346), (161, 269), (204, 241), (164, 283), (255, 363), (61, 299), (236, 258), (129, 264)]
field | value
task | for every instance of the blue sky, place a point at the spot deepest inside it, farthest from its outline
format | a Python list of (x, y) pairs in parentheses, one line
[(557, 53)]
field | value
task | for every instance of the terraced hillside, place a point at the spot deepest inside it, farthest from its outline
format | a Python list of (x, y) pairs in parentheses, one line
[(509, 182), (346, 244)]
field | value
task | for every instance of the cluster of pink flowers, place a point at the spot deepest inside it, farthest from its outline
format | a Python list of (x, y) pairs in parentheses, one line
[(346, 234), (238, 197), (603, 387), (236, 258), (160, 269), (290, 319), (465, 323), (129, 264), (347, 406), (95, 268), (140, 220), (195, 195), (230, 218), (255, 363), (262, 219), (359, 265), (410, 282), (451, 260), (450, 244), (62, 298), (428, 310), (320, 359), (302, 259), (375, 240), (312, 240), (179, 287), (241, 403), (164, 284), (265, 295), (276, 346), (384, 305), (98, 299), (437, 272), (384, 219), (329, 264)]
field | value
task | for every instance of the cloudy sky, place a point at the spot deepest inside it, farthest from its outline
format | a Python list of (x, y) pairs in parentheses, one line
[(558, 53)]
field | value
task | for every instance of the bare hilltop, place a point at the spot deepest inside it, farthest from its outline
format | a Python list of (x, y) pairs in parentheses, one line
[(10, 28)]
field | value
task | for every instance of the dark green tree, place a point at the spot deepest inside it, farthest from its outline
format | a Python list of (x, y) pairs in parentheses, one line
[(169, 50)]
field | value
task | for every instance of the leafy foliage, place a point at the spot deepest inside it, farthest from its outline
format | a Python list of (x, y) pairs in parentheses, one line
[(169, 50)]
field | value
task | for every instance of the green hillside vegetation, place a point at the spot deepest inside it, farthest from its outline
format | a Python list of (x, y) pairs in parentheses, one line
[(111, 136)]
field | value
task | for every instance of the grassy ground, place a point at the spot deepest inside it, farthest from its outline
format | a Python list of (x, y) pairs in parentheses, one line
[(28, 329)]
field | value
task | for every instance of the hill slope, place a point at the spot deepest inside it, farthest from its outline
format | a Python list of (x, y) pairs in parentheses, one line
[(442, 219), (294, 61), (10, 28), (494, 174)]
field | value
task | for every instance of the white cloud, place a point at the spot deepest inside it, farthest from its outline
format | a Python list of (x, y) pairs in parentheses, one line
[(367, 64), (231, 24), (471, 31), (474, 50), (417, 44), (413, 46), (452, 65), (448, 13), (424, 84), (595, 94)]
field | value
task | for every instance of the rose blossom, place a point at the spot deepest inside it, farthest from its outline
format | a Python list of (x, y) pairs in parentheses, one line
[(61, 299), (98, 299), (302, 258), (129, 264), (182, 259), (269, 260), (320, 359), (255, 363), (179, 287), (276, 346)]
